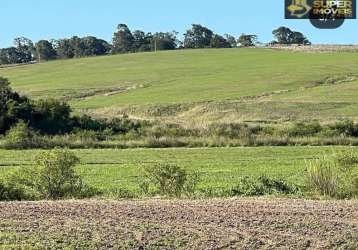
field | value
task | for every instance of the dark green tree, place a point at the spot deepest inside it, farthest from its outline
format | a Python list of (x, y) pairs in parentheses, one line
[(164, 41), (123, 40), (247, 40), (10, 56), (51, 117), (78, 47), (64, 48), (284, 35), (94, 47), (299, 38), (25, 49), (231, 40), (198, 37), (141, 41), (219, 42), (13, 107), (45, 51)]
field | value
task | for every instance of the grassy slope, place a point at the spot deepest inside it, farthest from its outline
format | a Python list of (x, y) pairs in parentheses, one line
[(218, 167), (189, 76), (281, 84)]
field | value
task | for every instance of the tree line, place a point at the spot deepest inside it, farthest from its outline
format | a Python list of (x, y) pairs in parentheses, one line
[(127, 41)]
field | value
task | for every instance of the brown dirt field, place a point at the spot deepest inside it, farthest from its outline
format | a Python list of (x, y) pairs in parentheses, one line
[(158, 224)]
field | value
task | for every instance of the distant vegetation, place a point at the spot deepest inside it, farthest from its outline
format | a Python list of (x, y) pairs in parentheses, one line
[(47, 117), (25, 124), (127, 41)]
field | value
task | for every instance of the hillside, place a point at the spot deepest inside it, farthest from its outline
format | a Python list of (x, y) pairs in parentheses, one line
[(235, 84)]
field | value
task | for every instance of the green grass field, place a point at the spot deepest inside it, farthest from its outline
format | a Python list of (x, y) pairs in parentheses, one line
[(218, 167), (237, 82)]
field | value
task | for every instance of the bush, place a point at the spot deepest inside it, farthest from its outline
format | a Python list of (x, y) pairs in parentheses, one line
[(305, 129), (345, 128), (56, 174), (336, 176), (347, 163), (169, 180), (323, 176), (19, 137), (249, 186), (52, 117), (52, 177), (346, 159), (11, 190), (232, 130)]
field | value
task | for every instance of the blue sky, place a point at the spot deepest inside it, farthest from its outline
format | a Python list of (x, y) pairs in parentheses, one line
[(46, 19)]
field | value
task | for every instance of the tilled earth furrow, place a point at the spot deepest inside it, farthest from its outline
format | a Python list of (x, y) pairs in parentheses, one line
[(180, 224)]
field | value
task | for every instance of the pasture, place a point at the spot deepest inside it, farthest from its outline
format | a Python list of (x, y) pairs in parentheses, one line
[(241, 84), (219, 168)]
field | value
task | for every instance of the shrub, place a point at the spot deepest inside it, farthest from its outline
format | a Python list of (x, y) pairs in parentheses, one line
[(52, 117), (346, 159), (263, 185), (305, 129), (19, 137), (278, 185), (120, 193), (114, 126), (56, 174), (248, 186), (336, 176), (169, 180), (11, 190), (323, 176), (232, 130), (348, 172), (52, 177), (345, 128)]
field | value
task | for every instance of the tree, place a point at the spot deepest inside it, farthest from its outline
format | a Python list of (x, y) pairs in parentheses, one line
[(286, 36), (142, 41), (299, 38), (164, 41), (123, 40), (198, 37), (13, 107), (64, 48), (247, 40), (46, 116), (78, 47), (94, 46), (283, 35), (25, 49), (45, 51), (51, 117), (9, 56), (219, 42), (231, 40)]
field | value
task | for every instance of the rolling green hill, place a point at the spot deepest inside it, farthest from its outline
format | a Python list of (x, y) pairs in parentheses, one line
[(233, 84)]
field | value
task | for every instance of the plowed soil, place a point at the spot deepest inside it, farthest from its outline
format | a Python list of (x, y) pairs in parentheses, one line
[(158, 224)]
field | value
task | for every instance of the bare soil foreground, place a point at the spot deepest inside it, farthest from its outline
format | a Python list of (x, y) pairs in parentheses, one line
[(158, 224)]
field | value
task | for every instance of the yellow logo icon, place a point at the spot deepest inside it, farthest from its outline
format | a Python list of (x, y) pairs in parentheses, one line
[(299, 8)]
